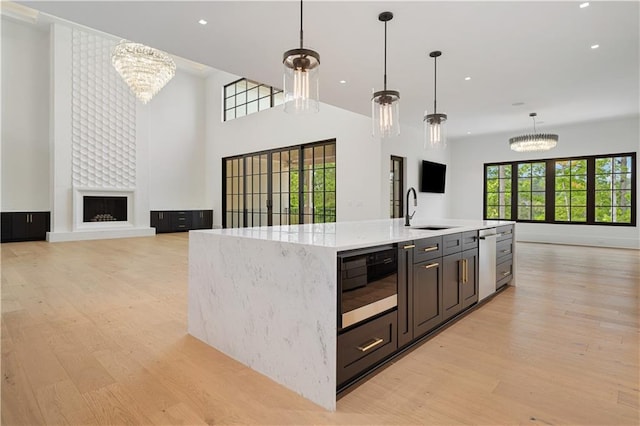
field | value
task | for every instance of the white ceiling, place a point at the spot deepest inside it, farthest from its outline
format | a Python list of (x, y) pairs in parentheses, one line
[(536, 53)]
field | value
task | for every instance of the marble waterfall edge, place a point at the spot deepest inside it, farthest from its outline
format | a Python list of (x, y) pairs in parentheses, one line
[(270, 305)]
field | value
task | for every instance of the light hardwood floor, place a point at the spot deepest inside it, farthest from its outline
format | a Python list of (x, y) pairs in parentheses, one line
[(95, 333)]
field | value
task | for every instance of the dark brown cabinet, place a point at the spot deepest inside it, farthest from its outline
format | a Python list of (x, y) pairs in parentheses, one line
[(405, 290), (460, 273), (25, 226), (451, 284), (181, 220), (427, 296), (504, 255), (365, 346), (469, 281), (437, 279), (419, 288)]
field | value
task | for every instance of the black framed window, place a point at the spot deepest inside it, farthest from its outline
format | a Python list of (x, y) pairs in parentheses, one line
[(593, 190), (531, 191), (498, 184), (396, 190), (284, 186), (243, 97)]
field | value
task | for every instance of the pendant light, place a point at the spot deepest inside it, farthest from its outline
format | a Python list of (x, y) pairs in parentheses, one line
[(385, 103), (301, 78), (435, 131), (535, 141)]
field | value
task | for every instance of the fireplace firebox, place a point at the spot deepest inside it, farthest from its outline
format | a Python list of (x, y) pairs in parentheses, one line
[(104, 209)]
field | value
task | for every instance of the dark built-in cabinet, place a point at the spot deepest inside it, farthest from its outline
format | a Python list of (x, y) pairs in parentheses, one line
[(437, 280), (181, 220), (25, 226), (441, 282), (504, 256)]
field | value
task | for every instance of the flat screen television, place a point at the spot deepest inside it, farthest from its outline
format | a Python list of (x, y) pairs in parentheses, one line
[(433, 177)]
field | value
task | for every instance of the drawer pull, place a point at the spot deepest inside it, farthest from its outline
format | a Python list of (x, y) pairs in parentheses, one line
[(370, 344), (504, 274), (410, 246), (431, 248), (505, 251), (433, 265)]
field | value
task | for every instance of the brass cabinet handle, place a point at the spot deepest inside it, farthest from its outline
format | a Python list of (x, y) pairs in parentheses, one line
[(410, 246), (370, 344), (432, 265), (431, 248), (465, 268)]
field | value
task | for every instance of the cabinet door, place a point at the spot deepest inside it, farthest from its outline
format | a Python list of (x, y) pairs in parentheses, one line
[(452, 266), (427, 296), (7, 227), (469, 280), (207, 219), (38, 225), (20, 225), (154, 220), (405, 290)]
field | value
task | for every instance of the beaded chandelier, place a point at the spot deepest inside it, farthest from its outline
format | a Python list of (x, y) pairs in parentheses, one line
[(535, 141), (145, 70)]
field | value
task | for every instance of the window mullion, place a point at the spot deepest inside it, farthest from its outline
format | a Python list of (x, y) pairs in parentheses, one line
[(591, 190), (550, 191), (514, 191)]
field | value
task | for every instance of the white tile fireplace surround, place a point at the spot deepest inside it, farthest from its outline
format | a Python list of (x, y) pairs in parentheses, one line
[(82, 230)]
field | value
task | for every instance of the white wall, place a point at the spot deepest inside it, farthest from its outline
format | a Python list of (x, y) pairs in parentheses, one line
[(599, 137), (411, 145), (25, 117), (176, 144), (362, 161)]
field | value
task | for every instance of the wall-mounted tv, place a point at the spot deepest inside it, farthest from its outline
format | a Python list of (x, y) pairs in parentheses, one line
[(433, 177)]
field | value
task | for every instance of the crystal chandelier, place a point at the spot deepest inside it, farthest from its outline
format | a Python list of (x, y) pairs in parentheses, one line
[(434, 123), (301, 78), (145, 70), (385, 103), (535, 141)]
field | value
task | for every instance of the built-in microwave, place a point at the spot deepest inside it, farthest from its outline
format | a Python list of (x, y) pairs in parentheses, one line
[(367, 283)]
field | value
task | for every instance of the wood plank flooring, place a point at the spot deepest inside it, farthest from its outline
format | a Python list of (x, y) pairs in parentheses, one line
[(95, 333)]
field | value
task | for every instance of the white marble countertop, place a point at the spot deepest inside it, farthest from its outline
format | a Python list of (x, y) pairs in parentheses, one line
[(358, 234)]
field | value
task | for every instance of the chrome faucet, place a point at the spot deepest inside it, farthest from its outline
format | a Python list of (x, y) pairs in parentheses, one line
[(407, 216)]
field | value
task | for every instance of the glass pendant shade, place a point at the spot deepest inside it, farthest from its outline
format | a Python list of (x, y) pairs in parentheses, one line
[(535, 141), (301, 81), (435, 130), (145, 70), (385, 104), (385, 111)]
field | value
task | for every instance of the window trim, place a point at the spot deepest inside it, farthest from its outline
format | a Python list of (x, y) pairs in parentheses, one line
[(550, 189)]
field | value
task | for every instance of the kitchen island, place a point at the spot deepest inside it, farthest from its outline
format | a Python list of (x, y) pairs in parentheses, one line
[(267, 296)]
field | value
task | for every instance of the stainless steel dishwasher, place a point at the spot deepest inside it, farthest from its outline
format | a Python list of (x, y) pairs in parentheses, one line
[(487, 255)]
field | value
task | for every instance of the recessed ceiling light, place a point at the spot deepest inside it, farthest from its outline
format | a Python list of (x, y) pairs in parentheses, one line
[(202, 22), (467, 78), (343, 81), (595, 46), (583, 5), (468, 133)]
